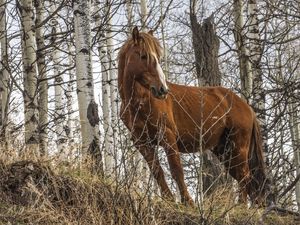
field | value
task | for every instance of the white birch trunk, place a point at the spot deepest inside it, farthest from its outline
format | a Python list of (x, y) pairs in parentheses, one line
[(165, 47), (113, 89), (113, 82), (129, 15), (88, 108), (4, 76), (258, 86), (30, 74), (60, 118), (43, 83), (243, 55), (108, 136), (69, 97), (144, 14), (106, 92)]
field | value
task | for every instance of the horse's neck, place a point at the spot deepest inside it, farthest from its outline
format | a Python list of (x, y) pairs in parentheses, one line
[(133, 93), (127, 88)]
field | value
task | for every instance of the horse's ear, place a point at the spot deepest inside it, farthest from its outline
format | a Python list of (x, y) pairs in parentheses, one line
[(135, 34), (151, 32)]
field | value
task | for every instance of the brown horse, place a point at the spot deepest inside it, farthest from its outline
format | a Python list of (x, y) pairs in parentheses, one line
[(185, 119)]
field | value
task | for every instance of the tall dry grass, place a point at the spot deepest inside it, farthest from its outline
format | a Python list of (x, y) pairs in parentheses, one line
[(50, 191)]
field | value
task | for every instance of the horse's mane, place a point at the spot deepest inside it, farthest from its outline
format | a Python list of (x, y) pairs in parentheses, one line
[(146, 42)]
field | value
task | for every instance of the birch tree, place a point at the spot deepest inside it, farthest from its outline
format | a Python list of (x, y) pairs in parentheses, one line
[(129, 15), (69, 97), (106, 92), (113, 89), (243, 54), (108, 140), (43, 82), (61, 140), (144, 14), (255, 46), (164, 43), (30, 74), (4, 76), (113, 80), (88, 109)]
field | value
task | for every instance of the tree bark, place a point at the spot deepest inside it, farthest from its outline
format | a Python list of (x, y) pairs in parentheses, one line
[(88, 109), (243, 54), (206, 48), (43, 82), (255, 46), (60, 114), (108, 136), (129, 15), (108, 153), (165, 47), (70, 101), (144, 14), (30, 75), (4, 77), (113, 87)]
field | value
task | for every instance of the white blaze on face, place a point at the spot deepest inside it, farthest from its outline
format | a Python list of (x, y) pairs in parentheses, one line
[(161, 74)]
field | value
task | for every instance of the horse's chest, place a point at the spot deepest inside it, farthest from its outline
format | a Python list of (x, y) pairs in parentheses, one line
[(145, 115)]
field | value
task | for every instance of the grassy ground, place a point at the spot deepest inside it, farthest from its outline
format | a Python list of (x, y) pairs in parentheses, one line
[(38, 193)]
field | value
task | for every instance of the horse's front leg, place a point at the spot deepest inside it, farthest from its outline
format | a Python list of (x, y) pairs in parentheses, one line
[(170, 145), (156, 170)]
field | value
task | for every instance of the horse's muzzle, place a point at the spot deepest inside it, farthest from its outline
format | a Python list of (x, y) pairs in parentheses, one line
[(160, 93)]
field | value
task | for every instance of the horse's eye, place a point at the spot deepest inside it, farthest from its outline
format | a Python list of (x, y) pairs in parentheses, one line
[(144, 57)]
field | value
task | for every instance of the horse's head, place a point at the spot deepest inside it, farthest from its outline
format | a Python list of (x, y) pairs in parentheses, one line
[(141, 55)]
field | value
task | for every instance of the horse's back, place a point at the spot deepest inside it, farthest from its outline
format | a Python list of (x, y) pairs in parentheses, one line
[(207, 101), (207, 110)]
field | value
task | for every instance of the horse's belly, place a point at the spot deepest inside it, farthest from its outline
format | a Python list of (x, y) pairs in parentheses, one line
[(190, 142)]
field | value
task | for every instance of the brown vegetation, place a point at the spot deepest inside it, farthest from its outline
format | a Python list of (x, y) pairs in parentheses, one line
[(39, 193)]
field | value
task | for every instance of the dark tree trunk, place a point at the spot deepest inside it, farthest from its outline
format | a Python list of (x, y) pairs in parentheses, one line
[(206, 47)]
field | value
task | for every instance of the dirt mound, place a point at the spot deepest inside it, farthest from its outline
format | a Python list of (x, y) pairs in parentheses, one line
[(32, 186), (31, 193)]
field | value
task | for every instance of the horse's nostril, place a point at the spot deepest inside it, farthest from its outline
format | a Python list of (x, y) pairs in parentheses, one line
[(163, 90)]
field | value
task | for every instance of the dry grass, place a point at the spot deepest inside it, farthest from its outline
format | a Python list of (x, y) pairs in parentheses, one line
[(37, 193)]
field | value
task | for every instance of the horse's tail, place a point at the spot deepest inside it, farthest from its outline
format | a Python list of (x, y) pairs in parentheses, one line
[(259, 186)]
